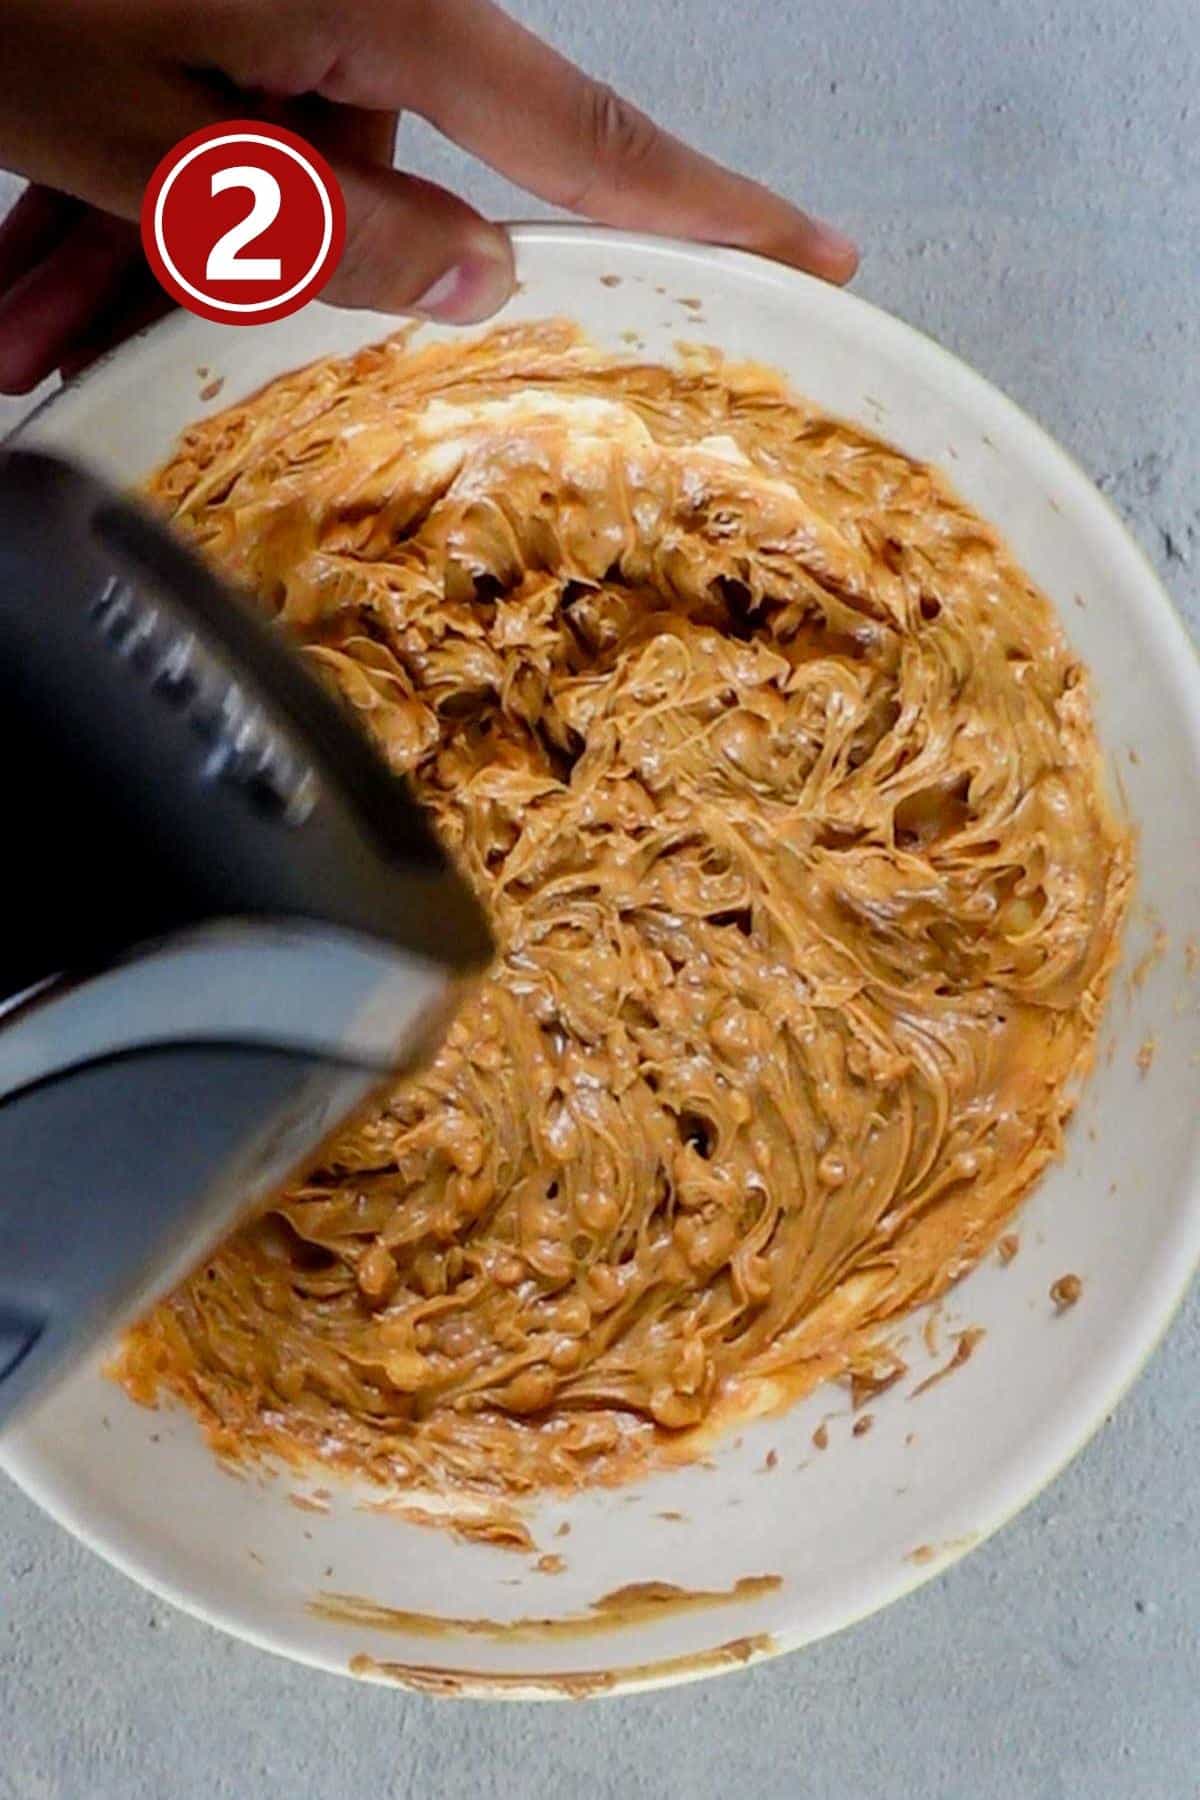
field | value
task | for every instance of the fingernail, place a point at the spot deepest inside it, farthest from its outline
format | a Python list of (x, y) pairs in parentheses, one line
[(841, 250), (469, 290)]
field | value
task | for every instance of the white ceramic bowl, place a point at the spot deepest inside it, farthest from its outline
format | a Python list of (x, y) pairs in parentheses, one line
[(839, 1527)]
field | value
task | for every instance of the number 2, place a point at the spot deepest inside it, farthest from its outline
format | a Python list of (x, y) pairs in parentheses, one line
[(224, 263)]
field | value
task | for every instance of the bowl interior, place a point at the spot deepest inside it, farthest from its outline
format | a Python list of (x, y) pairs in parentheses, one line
[(849, 1527)]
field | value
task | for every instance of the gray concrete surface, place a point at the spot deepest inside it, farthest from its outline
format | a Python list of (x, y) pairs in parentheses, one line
[(1025, 179)]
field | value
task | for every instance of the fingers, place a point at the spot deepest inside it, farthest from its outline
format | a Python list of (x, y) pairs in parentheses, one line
[(88, 110), (51, 305), (139, 303), (350, 132), (73, 282), (510, 99), (31, 229), (411, 247)]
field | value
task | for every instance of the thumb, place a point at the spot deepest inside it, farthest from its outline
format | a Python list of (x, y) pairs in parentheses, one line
[(413, 247)]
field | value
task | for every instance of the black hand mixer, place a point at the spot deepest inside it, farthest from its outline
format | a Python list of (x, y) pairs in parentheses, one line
[(224, 925)]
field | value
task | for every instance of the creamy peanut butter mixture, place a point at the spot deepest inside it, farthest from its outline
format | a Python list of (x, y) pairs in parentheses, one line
[(779, 780)]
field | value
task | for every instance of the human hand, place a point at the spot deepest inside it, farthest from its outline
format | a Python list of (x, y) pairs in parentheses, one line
[(94, 92)]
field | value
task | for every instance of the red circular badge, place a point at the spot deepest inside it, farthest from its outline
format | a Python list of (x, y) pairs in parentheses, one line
[(243, 222)]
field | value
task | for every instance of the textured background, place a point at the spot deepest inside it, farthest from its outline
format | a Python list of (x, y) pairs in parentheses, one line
[(1025, 181)]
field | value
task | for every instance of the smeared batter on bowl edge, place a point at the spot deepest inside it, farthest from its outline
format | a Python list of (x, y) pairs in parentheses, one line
[(779, 780)]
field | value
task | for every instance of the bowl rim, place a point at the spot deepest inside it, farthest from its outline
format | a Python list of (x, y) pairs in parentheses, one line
[(1176, 1257)]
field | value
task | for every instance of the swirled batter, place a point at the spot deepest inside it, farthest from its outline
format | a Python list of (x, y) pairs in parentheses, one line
[(779, 780)]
